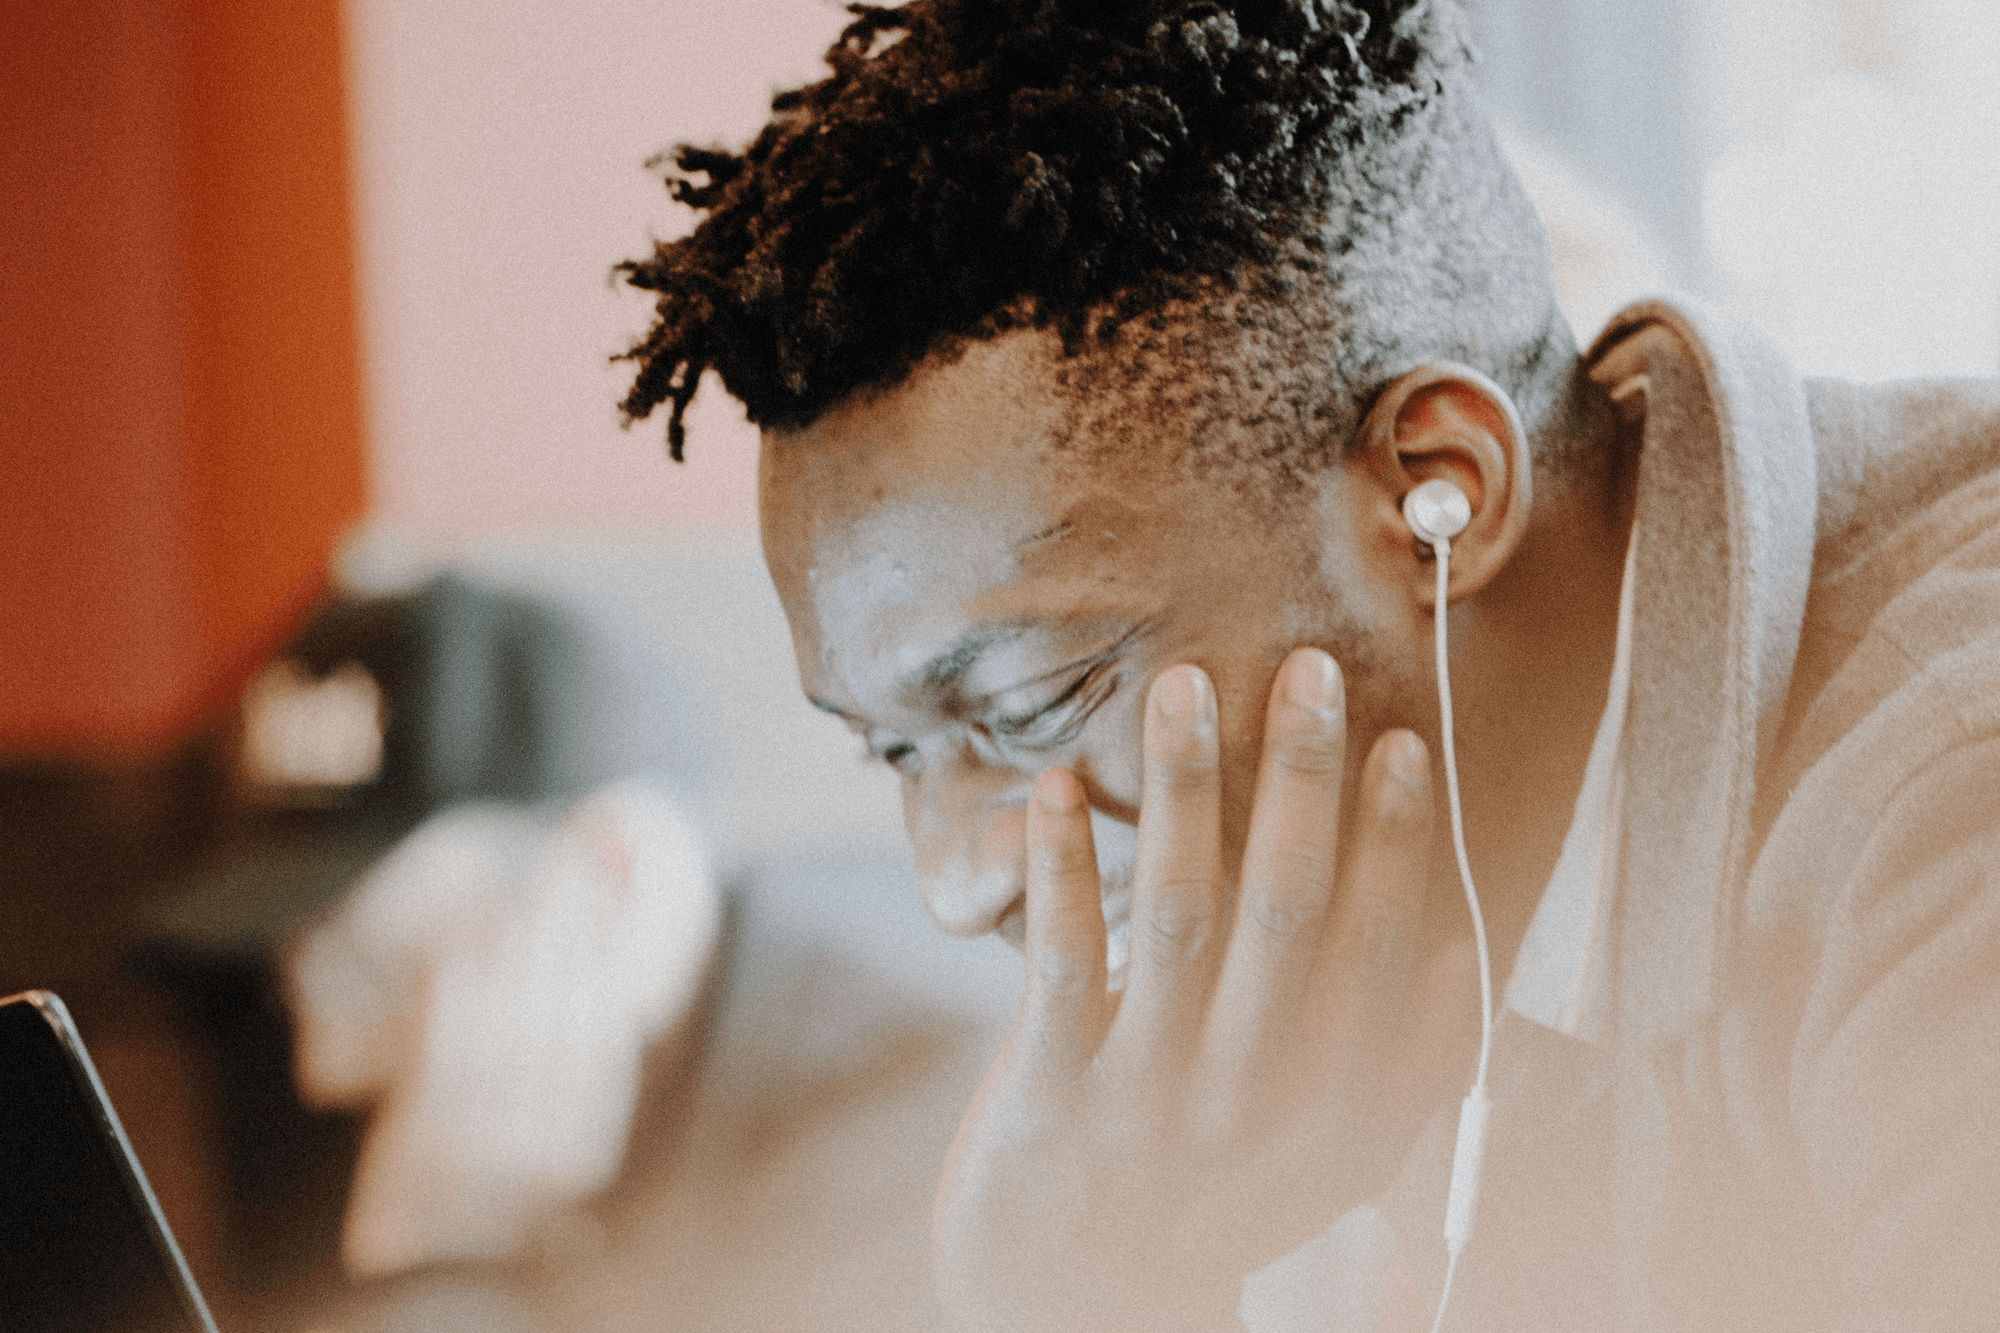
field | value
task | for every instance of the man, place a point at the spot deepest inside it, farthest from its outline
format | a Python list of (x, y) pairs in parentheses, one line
[(1096, 347)]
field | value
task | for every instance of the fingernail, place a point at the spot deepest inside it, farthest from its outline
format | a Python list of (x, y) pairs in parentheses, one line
[(1406, 760), (1186, 698), (1058, 791), (1313, 682)]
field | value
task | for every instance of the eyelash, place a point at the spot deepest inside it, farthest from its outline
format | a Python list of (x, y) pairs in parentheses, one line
[(893, 755), (1081, 698)]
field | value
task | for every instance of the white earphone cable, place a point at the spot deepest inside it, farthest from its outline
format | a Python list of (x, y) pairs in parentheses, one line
[(1469, 1152), (1443, 547)]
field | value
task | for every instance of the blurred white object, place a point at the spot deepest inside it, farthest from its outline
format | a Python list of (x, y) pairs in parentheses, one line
[(1605, 257), (302, 732), (1853, 178), (489, 989)]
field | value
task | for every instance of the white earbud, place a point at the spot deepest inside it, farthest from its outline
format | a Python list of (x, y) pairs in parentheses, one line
[(1436, 511)]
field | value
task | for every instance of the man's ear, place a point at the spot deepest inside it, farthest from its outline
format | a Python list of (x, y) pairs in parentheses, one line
[(1445, 420)]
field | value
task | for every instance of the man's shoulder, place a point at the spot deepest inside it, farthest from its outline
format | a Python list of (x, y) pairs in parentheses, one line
[(1889, 453), (1898, 669), (1908, 552)]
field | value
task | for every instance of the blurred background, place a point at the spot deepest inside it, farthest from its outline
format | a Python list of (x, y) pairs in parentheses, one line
[(317, 521)]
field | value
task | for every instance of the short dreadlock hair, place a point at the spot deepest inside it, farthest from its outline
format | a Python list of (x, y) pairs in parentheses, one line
[(972, 166)]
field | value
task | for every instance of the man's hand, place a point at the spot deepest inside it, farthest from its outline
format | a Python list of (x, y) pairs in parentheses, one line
[(1126, 1161)]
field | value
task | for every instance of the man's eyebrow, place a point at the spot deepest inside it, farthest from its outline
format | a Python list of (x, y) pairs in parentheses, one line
[(1049, 534), (942, 671)]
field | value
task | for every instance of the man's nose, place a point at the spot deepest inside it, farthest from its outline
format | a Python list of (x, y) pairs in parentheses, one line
[(968, 828)]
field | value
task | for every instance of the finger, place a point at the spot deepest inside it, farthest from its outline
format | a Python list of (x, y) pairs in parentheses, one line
[(1064, 1005), (1286, 894), (1379, 906), (1177, 886)]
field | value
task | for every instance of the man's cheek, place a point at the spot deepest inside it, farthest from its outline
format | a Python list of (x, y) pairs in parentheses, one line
[(1117, 844), (1117, 847), (1110, 758)]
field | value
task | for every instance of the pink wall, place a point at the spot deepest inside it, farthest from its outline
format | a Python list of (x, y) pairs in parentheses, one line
[(500, 151)]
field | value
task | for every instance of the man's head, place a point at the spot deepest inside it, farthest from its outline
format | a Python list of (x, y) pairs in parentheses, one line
[(1089, 338)]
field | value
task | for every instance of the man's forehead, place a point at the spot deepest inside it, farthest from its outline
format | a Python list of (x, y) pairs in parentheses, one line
[(956, 494), (917, 572), (986, 533), (903, 547)]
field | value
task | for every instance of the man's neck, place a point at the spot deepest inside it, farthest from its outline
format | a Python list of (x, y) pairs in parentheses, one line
[(1537, 651)]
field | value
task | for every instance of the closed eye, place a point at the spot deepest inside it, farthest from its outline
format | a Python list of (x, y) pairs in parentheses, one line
[(1053, 722), (1058, 721), (899, 755)]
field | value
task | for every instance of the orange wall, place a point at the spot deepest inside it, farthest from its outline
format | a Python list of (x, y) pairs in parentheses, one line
[(178, 361)]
